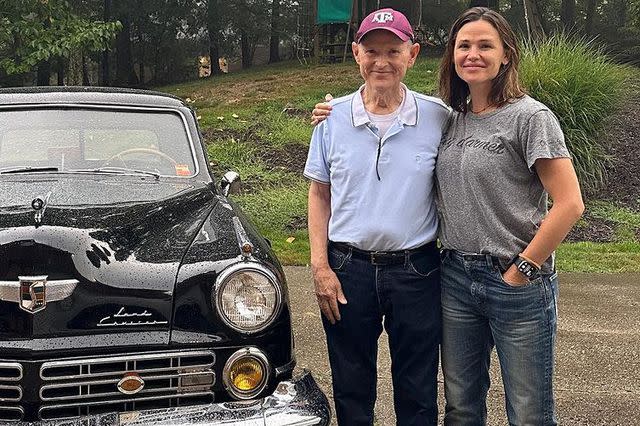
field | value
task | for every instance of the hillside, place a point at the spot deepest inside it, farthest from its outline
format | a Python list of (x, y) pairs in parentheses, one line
[(256, 122)]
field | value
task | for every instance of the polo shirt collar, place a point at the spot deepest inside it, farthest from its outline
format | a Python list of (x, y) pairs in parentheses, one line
[(408, 114)]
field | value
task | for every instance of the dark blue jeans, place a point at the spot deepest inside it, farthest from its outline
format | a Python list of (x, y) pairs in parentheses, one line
[(405, 299)]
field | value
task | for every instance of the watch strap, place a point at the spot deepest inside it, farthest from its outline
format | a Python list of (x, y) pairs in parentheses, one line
[(531, 261), (525, 267)]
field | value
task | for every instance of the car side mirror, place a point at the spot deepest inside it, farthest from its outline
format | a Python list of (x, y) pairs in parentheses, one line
[(230, 183)]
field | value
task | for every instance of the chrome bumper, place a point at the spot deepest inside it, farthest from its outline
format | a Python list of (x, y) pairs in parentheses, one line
[(298, 401)]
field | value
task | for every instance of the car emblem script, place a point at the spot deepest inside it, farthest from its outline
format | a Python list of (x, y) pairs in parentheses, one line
[(131, 384), (33, 293)]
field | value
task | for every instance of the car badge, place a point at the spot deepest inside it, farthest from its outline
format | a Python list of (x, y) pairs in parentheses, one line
[(33, 293), (122, 319), (131, 383)]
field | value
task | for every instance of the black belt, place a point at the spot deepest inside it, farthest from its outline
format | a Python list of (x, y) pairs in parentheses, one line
[(381, 257)]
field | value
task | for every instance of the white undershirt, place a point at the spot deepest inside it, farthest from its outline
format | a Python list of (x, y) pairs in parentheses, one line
[(383, 122)]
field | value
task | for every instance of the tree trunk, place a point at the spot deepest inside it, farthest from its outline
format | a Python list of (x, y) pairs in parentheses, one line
[(60, 70), (245, 48), (621, 7), (141, 73), (274, 41), (491, 4), (535, 29), (417, 13), (125, 75), (104, 64), (44, 73), (104, 68), (316, 30), (588, 22), (44, 67), (568, 15), (86, 81), (214, 29), (214, 58)]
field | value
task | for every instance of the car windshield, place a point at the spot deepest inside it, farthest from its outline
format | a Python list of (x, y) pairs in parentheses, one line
[(74, 140)]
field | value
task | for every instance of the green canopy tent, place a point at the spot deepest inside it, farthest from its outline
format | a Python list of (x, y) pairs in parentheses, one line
[(334, 12)]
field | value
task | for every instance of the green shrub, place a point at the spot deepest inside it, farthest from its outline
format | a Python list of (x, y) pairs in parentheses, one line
[(583, 87)]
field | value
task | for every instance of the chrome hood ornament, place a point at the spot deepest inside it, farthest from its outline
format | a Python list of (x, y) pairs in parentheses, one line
[(39, 204), (32, 293)]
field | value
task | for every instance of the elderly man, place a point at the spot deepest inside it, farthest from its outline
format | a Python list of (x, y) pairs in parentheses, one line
[(372, 228)]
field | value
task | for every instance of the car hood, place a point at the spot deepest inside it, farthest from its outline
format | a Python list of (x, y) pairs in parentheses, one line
[(109, 250)]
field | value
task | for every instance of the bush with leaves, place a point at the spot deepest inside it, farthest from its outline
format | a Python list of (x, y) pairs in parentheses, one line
[(583, 87)]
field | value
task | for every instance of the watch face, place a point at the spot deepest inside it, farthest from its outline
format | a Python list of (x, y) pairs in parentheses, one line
[(526, 268)]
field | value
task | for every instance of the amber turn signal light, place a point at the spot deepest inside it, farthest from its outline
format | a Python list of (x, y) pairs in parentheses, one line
[(246, 373)]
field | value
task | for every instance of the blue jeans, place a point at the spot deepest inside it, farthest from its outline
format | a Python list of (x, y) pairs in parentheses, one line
[(481, 311), (405, 298)]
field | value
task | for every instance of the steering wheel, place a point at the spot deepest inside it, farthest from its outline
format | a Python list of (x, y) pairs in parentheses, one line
[(130, 151)]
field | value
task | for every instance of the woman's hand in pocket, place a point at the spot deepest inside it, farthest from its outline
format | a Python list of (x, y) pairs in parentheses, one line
[(513, 277)]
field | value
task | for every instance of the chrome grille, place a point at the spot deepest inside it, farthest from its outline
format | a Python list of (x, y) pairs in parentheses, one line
[(90, 386), (10, 372), (11, 413), (10, 391)]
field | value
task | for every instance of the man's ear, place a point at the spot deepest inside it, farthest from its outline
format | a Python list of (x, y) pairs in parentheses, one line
[(355, 49), (415, 50)]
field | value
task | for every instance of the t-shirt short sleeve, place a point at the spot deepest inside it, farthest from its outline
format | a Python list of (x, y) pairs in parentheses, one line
[(317, 167), (543, 138)]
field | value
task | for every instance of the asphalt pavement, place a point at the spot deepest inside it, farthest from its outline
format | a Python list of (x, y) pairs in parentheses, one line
[(597, 379)]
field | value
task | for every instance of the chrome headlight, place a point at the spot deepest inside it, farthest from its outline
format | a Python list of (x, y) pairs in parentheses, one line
[(248, 297)]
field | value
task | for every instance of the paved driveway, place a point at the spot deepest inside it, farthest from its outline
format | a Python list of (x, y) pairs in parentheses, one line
[(597, 378)]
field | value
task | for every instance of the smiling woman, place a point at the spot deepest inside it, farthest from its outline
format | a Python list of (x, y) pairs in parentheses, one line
[(499, 283), (479, 56)]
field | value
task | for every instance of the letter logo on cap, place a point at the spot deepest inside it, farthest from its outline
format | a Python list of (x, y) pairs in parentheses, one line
[(382, 17)]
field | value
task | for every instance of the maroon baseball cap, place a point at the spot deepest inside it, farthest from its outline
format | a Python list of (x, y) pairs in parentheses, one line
[(386, 19)]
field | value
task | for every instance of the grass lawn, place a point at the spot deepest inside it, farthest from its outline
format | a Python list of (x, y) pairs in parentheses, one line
[(256, 122)]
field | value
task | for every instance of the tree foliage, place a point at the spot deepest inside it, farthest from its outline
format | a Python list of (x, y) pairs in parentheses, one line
[(153, 42), (33, 31)]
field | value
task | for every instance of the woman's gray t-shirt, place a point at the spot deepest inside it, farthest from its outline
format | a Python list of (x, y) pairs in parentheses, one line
[(490, 198)]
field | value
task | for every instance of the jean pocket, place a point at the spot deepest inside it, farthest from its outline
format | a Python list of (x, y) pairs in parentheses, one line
[(337, 259), (530, 283), (423, 264)]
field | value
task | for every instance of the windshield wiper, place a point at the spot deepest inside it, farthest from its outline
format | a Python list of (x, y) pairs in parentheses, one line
[(27, 169), (116, 171)]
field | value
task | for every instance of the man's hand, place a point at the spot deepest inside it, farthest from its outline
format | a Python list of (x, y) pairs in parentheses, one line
[(322, 110), (328, 292)]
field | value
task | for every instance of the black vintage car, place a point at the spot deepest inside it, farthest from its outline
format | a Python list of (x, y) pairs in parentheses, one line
[(132, 290)]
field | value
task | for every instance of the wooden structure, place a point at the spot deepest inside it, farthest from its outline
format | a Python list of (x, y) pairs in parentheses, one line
[(334, 36)]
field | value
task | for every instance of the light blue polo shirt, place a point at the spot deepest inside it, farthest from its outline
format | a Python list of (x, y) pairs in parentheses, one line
[(396, 212)]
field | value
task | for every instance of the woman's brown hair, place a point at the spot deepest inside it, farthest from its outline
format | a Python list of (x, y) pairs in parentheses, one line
[(504, 87)]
